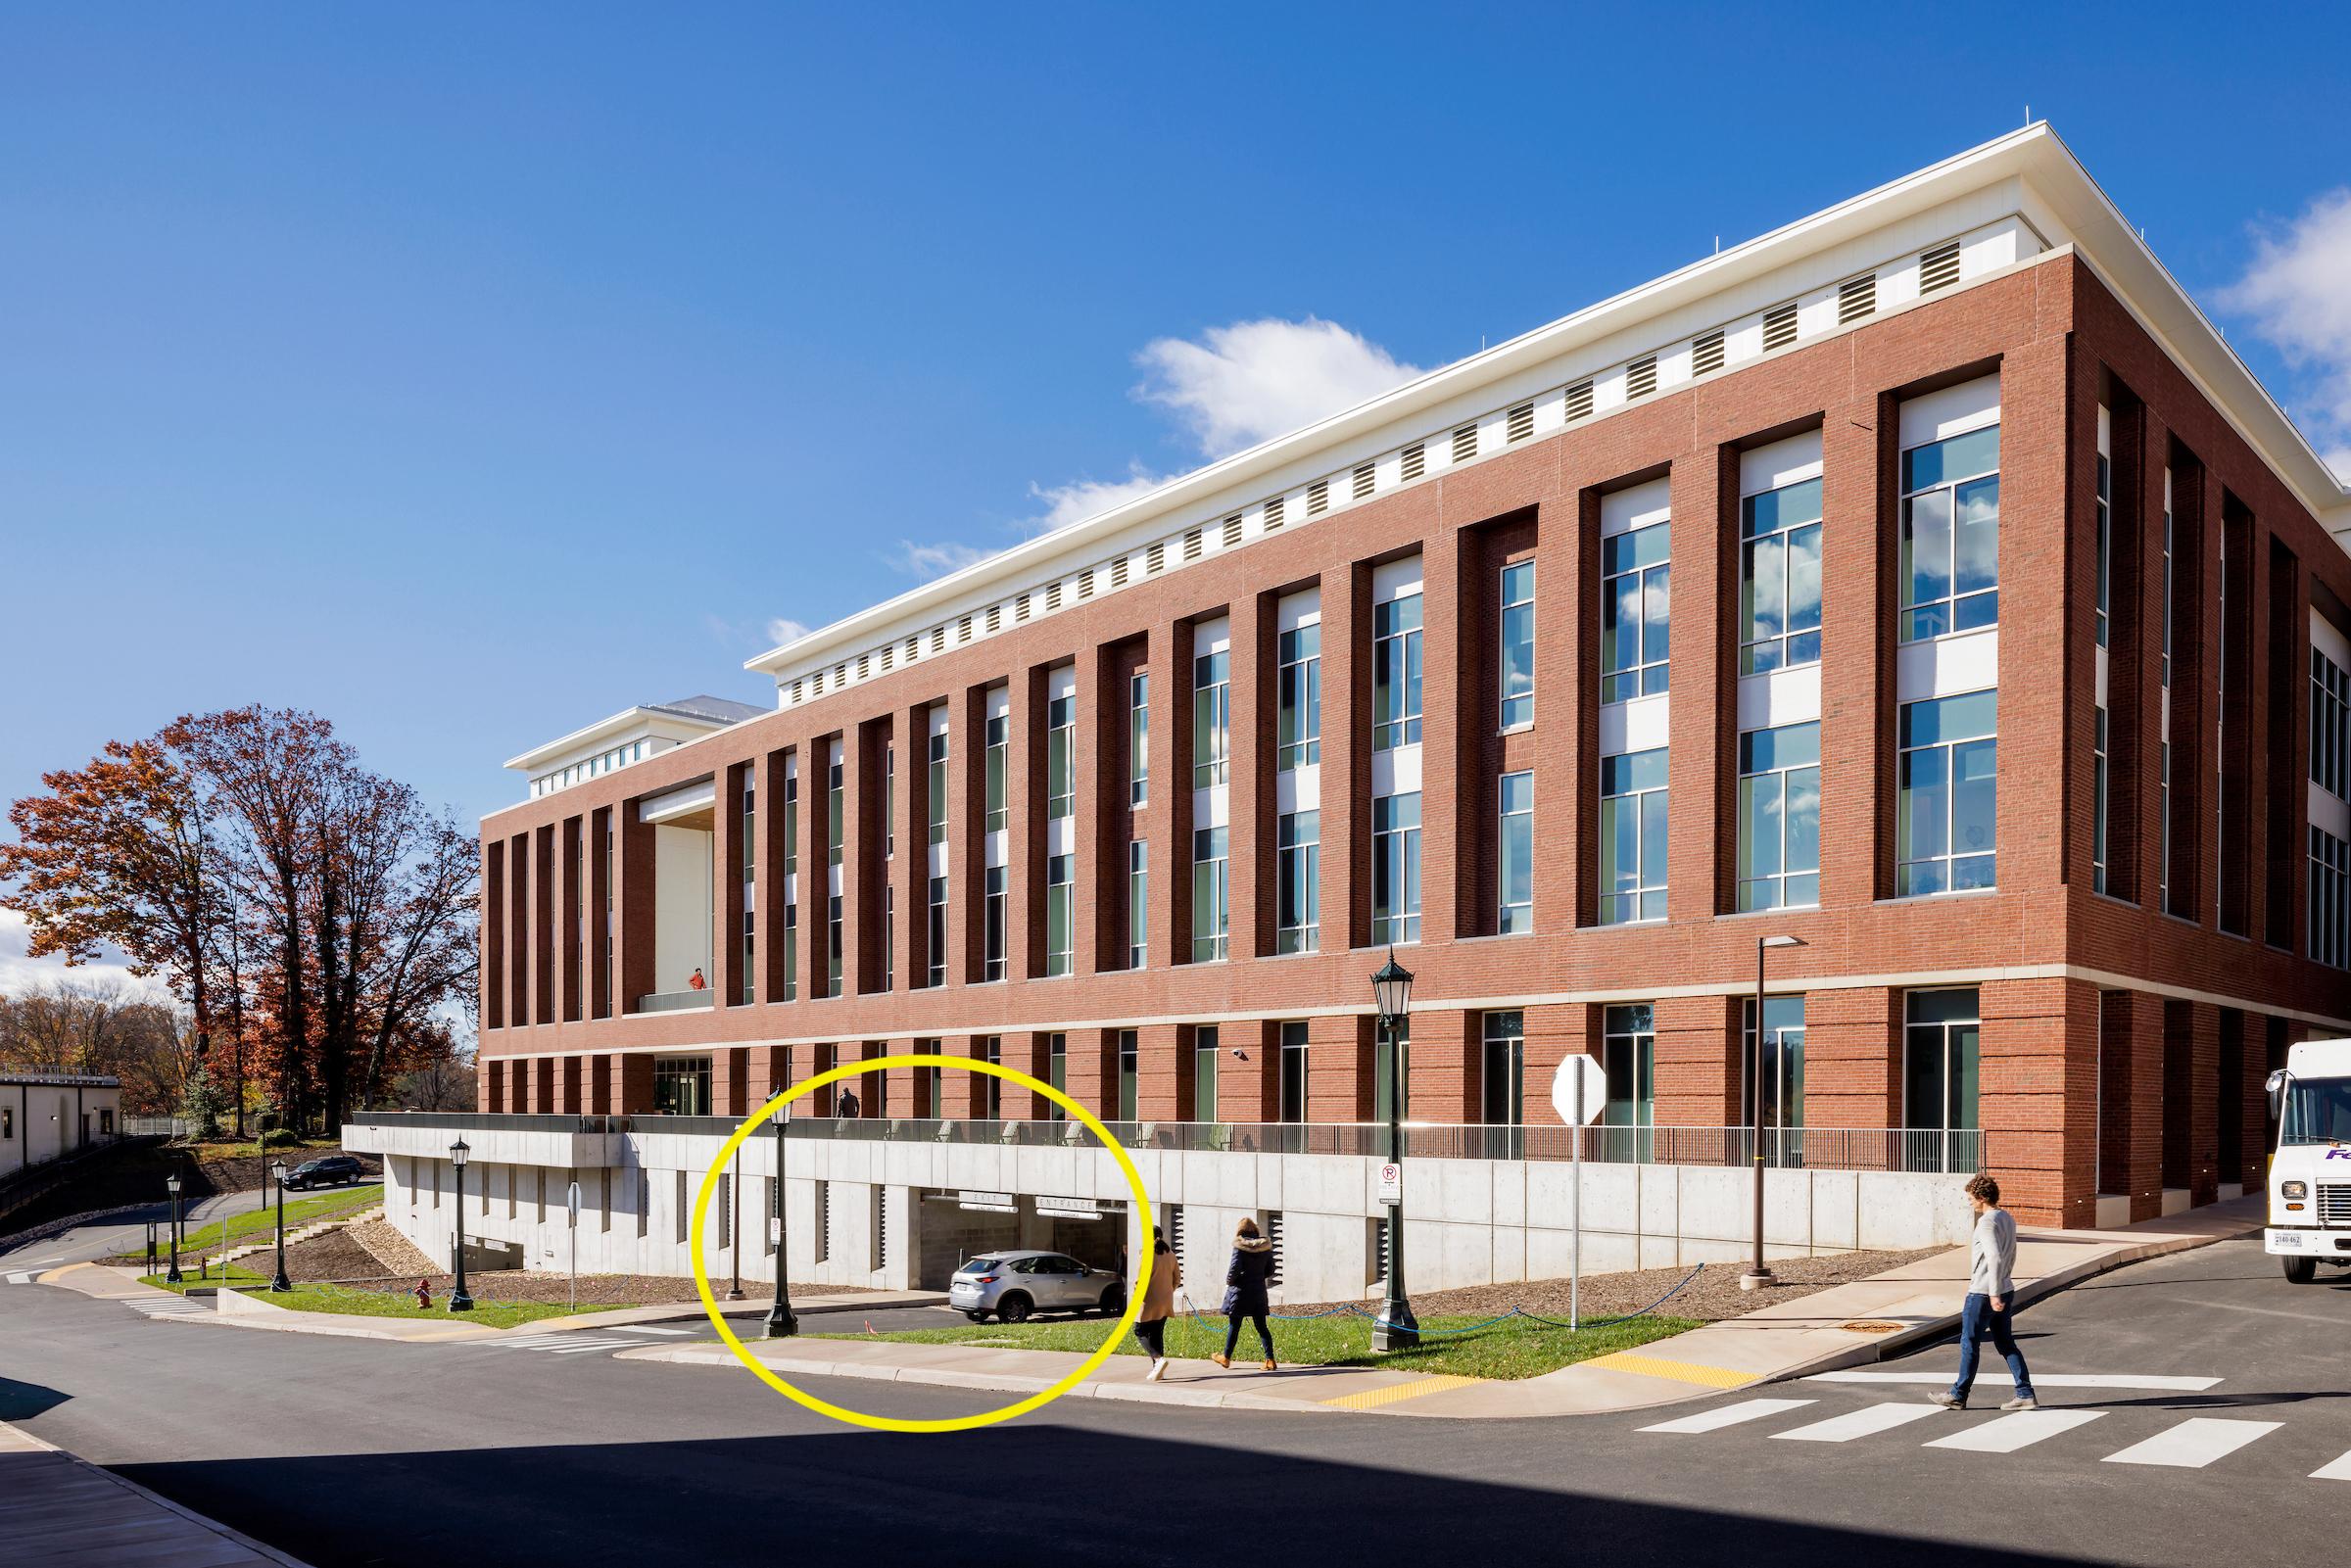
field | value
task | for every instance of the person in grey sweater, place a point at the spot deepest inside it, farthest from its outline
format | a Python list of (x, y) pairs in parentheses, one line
[(1990, 1299)]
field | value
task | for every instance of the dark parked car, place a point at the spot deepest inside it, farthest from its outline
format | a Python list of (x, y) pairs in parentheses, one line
[(335, 1170)]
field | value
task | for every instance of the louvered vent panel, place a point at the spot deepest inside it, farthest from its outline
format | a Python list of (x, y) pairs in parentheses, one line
[(914, 648), (888, 660), (819, 678), (1232, 531), (1317, 497), (938, 637), (1052, 596), (1779, 327), (1579, 402), (1117, 572), (840, 674), (1856, 297), (1363, 473), (1415, 461), (1020, 608), (995, 617), (1465, 443), (1521, 422), (1938, 269), (1275, 513), (1085, 583), (1191, 544), (1156, 557), (963, 630), (795, 690), (1705, 354), (1641, 377)]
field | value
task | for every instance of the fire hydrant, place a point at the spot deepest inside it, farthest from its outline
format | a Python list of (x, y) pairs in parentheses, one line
[(425, 1294)]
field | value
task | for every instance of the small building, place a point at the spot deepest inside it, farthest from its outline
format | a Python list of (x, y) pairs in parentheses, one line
[(46, 1112)]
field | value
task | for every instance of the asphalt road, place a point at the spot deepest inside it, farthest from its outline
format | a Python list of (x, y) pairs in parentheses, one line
[(354, 1452), (122, 1234)]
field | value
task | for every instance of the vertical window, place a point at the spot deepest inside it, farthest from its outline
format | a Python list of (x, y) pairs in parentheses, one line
[(834, 814), (992, 958), (1628, 1057), (1056, 1072), (1061, 758), (1297, 895), (1636, 592), (936, 958), (991, 1087), (1138, 739), (1212, 719), (1293, 1070), (1396, 673), (2163, 824), (999, 733), (1951, 535), (1632, 837), (1939, 1031), (792, 828), (1779, 578), (2105, 541), (1387, 1068), (889, 802), (889, 936), (1779, 817), (1061, 912), (1139, 903), (938, 803), (2167, 578), (1211, 891), (2097, 803), (746, 974), (1517, 674), (2329, 724), (1503, 1084), (1783, 1075), (1396, 869), (833, 945), (791, 953), (2329, 899), (1129, 1074), (1947, 793), (1300, 733), (1516, 854), (1204, 1074)]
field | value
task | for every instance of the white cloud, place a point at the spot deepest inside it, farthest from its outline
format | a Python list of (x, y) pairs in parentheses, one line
[(936, 559), (783, 629), (2297, 293), (1080, 499), (20, 973), (1242, 384)]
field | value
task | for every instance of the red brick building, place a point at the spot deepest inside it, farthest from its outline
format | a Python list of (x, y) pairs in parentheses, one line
[(1925, 579)]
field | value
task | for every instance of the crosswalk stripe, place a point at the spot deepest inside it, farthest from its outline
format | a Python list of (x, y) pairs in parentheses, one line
[(2194, 1443), (2048, 1379), (1868, 1421), (650, 1330), (2020, 1430), (2334, 1470), (1728, 1416)]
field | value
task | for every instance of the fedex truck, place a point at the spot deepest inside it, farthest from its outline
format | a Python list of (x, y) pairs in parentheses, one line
[(2310, 1173)]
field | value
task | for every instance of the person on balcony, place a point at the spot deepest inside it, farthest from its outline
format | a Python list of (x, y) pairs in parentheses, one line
[(697, 984)]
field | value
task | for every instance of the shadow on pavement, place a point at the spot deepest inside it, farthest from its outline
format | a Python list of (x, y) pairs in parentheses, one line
[(22, 1402)]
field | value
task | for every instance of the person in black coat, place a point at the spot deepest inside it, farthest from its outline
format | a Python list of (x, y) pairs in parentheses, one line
[(1245, 1280)]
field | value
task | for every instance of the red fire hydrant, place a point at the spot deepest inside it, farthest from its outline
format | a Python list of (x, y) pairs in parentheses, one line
[(425, 1294)]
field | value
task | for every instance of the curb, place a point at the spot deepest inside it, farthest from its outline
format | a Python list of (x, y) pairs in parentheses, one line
[(215, 1526)]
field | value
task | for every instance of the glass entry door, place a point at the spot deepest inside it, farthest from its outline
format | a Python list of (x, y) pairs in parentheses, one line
[(1783, 1116)]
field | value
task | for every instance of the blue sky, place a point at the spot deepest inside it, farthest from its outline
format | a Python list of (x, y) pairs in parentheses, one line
[(468, 373)]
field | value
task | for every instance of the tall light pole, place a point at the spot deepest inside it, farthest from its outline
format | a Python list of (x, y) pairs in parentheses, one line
[(1758, 1275), (281, 1285), (458, 1301), (171, 1185), (735, 1227), (1395, 1329), (781, 1321)]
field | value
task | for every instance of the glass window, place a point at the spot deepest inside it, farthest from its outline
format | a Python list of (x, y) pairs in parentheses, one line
[(1947, 793), (1211, 894), (1300, 734), (1396, 673), (1632, 837), (890, 801), (1293, 1070), (2105, 533), (1636, 594), (1783, 1075), (1139, 903), (1061, 912), (791, 953), (1779, 578), (1204, 1074), (889, 936), (1396, 869), (2097, 803), (1628, 1056), (1503, 1084), (836, 813), (1211, 720), (991, 1087), (1297, 895), (999, 733), (1951, 535), (1940, 1050), (2329, 899), (1384, 1066), (2329, 724), (792, 824), (1517, 678), (939, 788), (833, 945), (1056, 1072), (936, 958), (1129, 1074), (1061, 758), (991, 960), (682, 1086), (1138, 739), (1779, 817), (1516, 854), (2167, 577)]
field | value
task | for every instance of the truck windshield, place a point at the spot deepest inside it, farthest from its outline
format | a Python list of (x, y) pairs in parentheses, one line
[(2317, 1110)]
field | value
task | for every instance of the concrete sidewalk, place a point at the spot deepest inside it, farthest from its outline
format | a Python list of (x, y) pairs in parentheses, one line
[(1842, 1326), (59, 1509)]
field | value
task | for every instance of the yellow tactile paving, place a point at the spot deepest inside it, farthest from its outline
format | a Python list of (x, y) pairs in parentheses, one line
[(1713, 1377), (1373, 1399)]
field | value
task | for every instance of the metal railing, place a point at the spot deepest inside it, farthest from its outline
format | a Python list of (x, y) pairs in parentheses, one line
[(1892, 1148), (156, 1126), (674, 1001)]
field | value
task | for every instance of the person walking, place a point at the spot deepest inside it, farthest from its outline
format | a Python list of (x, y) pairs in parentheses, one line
[(1245, 1280), (1159, 1303), (1990, 1299)]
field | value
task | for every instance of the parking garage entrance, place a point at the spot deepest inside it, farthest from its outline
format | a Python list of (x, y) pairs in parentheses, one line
[(954, 1226)]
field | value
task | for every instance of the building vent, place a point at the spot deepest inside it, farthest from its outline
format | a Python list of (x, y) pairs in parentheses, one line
[(840, 674), (1415, 461), (1641, 378), (914, 648), (1275, 510), (862, 668), (1317, 497), (887, 660), (824, 1221), (1938, 269), (1020, 607), (1273, 1234), (1779, 327), (1117, 572), (1191, 544), (819, 678), (1174, 1229), (1579, 402), (1521, 422), (995, 619), (1156, 557), (795, 690), (1856, 297), (1363, 473), (1085, 583), (1705, 354), (963, 630), (1052, 596), (1465, 443)]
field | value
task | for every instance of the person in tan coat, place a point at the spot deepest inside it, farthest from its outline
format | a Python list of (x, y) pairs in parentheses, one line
[(1159, 1303)]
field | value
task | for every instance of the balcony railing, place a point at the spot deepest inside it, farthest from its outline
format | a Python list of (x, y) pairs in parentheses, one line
[(674, 1001), (1895, 1149)]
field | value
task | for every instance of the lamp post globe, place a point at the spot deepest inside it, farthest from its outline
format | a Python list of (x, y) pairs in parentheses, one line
[(1395, 1328), (172, 1186), (458, 1301), (781, 1321), (280, 1284)]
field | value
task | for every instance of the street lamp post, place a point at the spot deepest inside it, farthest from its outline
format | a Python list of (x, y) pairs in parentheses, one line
[(781, 1321), (1395, 1329), (458, 1301), (171, 1185), (735, 1228), (1758, 1275), (281, 1285)]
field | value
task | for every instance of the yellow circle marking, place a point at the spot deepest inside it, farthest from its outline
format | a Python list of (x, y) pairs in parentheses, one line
[(885, 1423)]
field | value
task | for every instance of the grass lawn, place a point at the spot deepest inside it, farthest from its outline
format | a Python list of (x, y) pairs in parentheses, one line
[(354, 1302), (1517, 1348), (261, 1223)]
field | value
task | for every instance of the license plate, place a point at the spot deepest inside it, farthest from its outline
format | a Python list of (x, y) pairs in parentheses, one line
[(2290, 1240)]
